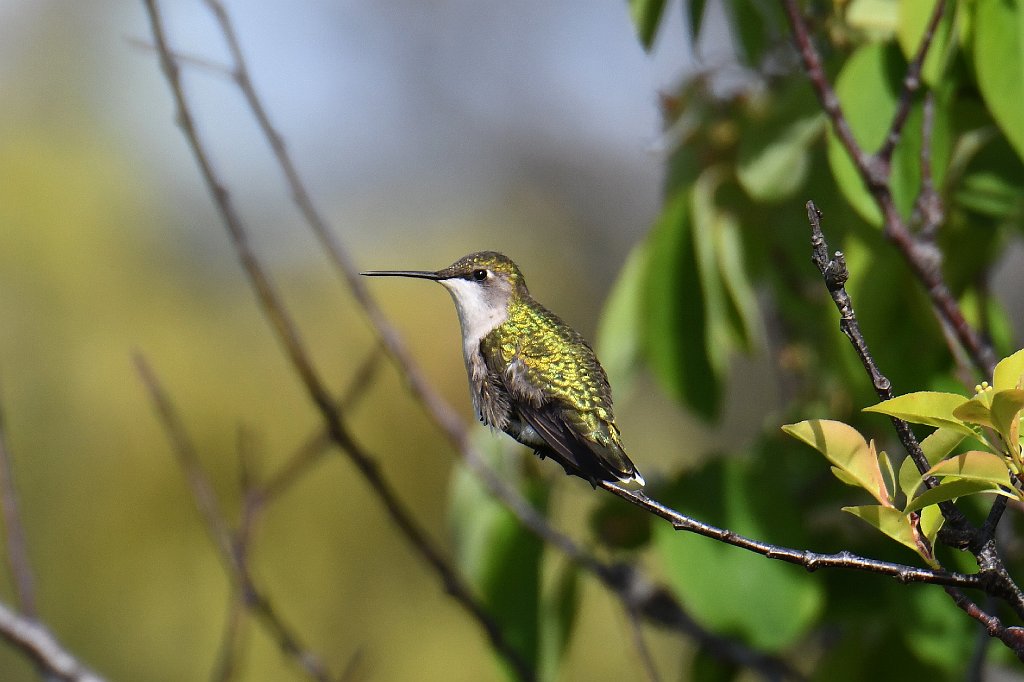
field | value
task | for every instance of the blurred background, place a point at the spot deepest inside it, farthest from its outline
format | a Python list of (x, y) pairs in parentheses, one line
[(425, 130)]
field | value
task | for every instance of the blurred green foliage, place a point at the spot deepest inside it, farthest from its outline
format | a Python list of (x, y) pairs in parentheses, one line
[(730, 257)]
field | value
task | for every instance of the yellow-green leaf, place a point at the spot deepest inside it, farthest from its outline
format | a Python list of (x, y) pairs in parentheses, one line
[(975, 465), (910, 477), (1006, 407), (1008, 372), (846, 448), (890, 521), (925, 407), (940, 443), (931, 521), (974, 411), (952, 489)]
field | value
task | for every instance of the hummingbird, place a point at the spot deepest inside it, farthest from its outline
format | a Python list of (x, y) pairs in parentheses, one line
[(531, 375)]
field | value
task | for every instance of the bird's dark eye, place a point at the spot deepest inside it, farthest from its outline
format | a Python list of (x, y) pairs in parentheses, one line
[(479, 275)]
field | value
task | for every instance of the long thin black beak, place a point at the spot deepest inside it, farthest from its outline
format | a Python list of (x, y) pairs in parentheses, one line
[(420, 274)]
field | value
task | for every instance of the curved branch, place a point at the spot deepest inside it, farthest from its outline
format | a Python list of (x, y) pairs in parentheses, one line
[(874, 170), (812, 561)]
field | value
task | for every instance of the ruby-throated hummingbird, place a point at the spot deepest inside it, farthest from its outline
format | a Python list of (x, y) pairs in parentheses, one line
[(530, 374)]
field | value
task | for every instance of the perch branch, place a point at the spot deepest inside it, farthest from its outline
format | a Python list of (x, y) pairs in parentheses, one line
[(658, 605), (218, 529), (812, 561)]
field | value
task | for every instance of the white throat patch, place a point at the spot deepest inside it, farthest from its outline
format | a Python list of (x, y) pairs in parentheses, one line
[(480, 309)]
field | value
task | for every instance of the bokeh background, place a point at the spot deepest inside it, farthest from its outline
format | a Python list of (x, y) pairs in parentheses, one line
[(425, 130)]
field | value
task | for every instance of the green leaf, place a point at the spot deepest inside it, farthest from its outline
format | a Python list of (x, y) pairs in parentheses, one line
[(890, 521), (910, 477), (646, 15), (936, 631), (846, 448), (558, 619), (931, 522), (975, 465), (1009, 373), (845, 477), (925, 407), (1006, 407), (940, 443), (974, 411), (885, 464), (619, 339), (998, 51), (767, 604), (754, 25), (951, 489), (913, 18), (706, 221), (867, 88), (498, 555), (695, 14), (674, 313), (741, 297), (773, 164)]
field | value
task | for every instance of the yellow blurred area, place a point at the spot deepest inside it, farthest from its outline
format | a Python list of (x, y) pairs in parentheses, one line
[(126, 575)]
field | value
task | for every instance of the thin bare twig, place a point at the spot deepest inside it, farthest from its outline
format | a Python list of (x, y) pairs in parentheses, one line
[(640, 644), (911, 84), (35, 641), (219, 530), (288, 335), (17, 547), (958, 531)]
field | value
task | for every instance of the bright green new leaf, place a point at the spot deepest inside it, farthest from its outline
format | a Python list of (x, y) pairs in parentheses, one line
[(1009, 371), (925, 407), (867, 88), (910, 477), (931, 522), (951, 489), (974, 411), (890, 521), (646, 16), (975, 465), (846, 448), (998, 51), (913, 17), (940, 443), (1006, 407)]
